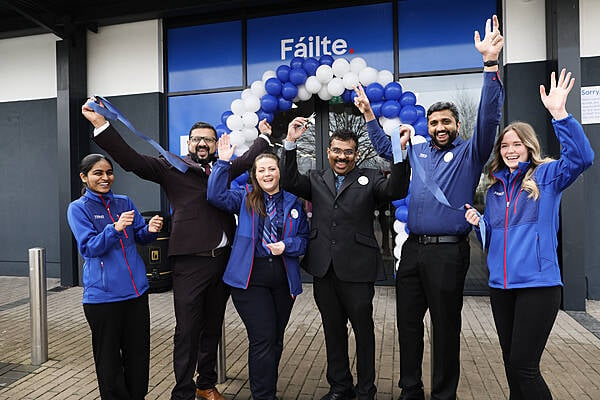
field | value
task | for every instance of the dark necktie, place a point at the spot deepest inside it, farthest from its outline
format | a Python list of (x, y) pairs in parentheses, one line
[(207, 169), (269, 234), (338, 182)]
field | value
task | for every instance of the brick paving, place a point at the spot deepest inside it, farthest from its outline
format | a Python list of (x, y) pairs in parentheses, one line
[(570, 364)]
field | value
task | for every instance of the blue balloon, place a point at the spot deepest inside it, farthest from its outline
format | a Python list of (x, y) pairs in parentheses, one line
[(262, 114), (399, 203), (268, 103), (273, 86), (402, 213), (298, 76), (347, 96), (352, 96), (408, 115), (376, 107), (283, 104), (296, 62), (420, 111), (283, 73), (375, 92), (408, 99), (421, 127), (393, 91), (326, 60), (224, 116), (310, 65), (241, 180), (390, 109), (289, 91), (221, 129)]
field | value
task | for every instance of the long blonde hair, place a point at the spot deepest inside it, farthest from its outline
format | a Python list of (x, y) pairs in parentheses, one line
[(528, 137)]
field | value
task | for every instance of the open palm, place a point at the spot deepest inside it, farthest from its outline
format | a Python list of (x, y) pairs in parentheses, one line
[(555, 101)]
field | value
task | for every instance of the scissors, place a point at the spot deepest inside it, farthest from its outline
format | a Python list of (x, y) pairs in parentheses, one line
[(310, 120)]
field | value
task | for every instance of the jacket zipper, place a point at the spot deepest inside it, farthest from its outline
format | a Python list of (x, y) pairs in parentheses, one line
[(122, 247), (508, 198)]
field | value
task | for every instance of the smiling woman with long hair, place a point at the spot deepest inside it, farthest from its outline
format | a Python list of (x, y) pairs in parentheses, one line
[(263, 270), (107, 227), (521, 220)]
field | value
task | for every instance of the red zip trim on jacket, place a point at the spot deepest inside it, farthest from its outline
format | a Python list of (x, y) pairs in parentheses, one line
[(122, 247), (506, 220)]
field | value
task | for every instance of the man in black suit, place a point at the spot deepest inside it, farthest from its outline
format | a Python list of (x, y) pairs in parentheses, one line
[(200, 243), (343, 255)]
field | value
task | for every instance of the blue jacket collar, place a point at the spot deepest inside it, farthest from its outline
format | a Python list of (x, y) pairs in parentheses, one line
[(505, 173), (96, 197)]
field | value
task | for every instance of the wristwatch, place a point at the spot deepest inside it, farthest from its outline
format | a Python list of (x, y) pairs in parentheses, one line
[(490, 63)]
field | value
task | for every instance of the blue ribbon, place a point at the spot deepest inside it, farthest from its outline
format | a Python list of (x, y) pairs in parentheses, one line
[(111, 113), (429, 183)]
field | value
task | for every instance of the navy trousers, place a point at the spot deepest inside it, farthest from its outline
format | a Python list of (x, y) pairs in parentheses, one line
[(265, 308)]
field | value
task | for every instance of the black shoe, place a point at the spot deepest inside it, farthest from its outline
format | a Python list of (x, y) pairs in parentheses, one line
[(412, 394), (347, 395)]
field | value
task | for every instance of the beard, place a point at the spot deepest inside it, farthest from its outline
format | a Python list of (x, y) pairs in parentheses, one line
[(208, 159), (452, 134)]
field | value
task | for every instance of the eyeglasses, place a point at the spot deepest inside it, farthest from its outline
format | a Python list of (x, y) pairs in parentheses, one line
[(338, 151), (207, 139)]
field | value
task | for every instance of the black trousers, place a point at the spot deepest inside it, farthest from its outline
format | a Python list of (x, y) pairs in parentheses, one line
[(339, 301), (524, 319), (265, 308), (200, 298), (121, 346), (431, 276)]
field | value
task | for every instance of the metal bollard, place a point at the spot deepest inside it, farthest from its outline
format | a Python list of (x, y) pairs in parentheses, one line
[(37, 305), (221, 367)]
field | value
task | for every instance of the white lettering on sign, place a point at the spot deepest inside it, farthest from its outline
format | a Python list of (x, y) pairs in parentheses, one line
[(313, 46), (590, 105)]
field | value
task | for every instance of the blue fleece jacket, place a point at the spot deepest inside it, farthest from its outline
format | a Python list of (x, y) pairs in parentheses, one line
[(522, 232), (112, 270), (295, 230)]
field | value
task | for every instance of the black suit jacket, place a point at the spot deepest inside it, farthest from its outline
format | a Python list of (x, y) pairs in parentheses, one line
[(341, 231), (197, 226)]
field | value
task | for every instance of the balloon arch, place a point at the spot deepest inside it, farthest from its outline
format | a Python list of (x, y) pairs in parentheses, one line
[(327, 78)]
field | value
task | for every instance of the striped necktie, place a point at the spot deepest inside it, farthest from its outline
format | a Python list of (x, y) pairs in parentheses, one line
[(339, 179), (269, 234)]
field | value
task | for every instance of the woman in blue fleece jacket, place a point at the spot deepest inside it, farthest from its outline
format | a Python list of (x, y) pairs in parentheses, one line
[(263, 269), (107, 227), (521, 220)]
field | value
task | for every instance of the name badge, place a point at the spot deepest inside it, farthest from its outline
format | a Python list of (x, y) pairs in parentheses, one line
[(294, 213), (363, 180), (448, 156)]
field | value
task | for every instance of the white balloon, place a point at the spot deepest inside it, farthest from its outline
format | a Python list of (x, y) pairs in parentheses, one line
[(350, 80), (238, 107), (241, 149), (245, 93), (389, 125), (252, 103), (303, 94), (401, 238), (312, 84), (335, 87), (234, 122), (357, 64), (249, 119), (258, 88), (398, 226), (236, 137), (324, 73), (368, 76), (324, 93), (384, 77), (416, 139), (268, 74), (340, 67), (397, 252), (249, 134)]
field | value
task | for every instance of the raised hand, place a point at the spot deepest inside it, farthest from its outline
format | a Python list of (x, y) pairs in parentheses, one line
[(492, 42), (265, 127), (405, 132), (471, 215), (296, 128), (361, 101), (155, 224), (556, 100), (225, 149), (125, 219), (96, 119)]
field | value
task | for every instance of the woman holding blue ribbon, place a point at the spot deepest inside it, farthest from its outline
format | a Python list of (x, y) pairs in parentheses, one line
[(521, 218), (115, 300), (263, 269)]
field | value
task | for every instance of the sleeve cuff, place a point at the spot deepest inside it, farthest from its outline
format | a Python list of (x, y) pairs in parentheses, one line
[(101, 129), (267, 138), (289, 145)]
